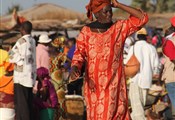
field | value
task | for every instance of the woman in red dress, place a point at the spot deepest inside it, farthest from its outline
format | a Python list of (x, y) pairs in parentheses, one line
[(100, 45)]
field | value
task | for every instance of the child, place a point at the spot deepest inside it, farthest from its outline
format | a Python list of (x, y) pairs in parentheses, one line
[(46, 100)]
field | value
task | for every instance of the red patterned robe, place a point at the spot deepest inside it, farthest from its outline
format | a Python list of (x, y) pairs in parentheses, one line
[(105, 86)]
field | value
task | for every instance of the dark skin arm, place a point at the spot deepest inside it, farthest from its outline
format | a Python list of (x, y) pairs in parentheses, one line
[(68, 60), (132, 11), (68, 63), (75, 73)]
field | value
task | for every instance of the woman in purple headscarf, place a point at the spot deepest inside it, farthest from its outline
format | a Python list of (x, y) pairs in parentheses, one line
[(46, 100)]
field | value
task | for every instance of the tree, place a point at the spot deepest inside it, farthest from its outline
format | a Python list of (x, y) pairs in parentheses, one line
[(153, 6), (162, 6), (15, 6), (171, 5)]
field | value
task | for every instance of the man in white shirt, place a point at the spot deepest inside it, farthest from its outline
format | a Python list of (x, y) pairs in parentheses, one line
[(23, 55), (128, 43), (142, 81)]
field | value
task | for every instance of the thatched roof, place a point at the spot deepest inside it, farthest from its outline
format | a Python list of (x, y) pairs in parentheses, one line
[(160, 20), (46, 15)]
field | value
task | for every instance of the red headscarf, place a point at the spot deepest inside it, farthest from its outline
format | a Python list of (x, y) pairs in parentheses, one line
[(95, 6), (17, 18), (21, 19)]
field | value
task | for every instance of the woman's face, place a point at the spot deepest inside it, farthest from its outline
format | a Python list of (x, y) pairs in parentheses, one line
[(70, 44), (105, 14)]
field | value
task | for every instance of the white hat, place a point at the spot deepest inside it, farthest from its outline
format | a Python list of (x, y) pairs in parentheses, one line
[(44, 39)]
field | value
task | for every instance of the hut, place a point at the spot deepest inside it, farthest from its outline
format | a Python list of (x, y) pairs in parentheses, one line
[(45, 17)]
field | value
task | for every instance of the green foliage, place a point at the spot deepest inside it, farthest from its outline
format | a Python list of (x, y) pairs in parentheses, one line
[(15, 6), (171, 4), (160, 7)]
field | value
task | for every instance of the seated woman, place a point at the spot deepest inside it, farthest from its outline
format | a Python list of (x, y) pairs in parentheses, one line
[(46, 100), (7, 111)]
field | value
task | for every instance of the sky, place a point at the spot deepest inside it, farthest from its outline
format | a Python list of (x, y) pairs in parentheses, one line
[(77, 5)]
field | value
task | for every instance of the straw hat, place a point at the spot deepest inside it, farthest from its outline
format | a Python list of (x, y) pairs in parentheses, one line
[(44, 39), (142, 31), (59, 41)]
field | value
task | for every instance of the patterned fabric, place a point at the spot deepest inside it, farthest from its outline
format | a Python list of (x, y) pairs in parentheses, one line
[(55, 70), (55, 62), (7, 111), (23, 55), (105, 86), (57, 80), (6, 100)]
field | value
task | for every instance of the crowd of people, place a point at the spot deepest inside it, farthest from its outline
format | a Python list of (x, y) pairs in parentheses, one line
[(156, 73), (33, 77), (122, 72)]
